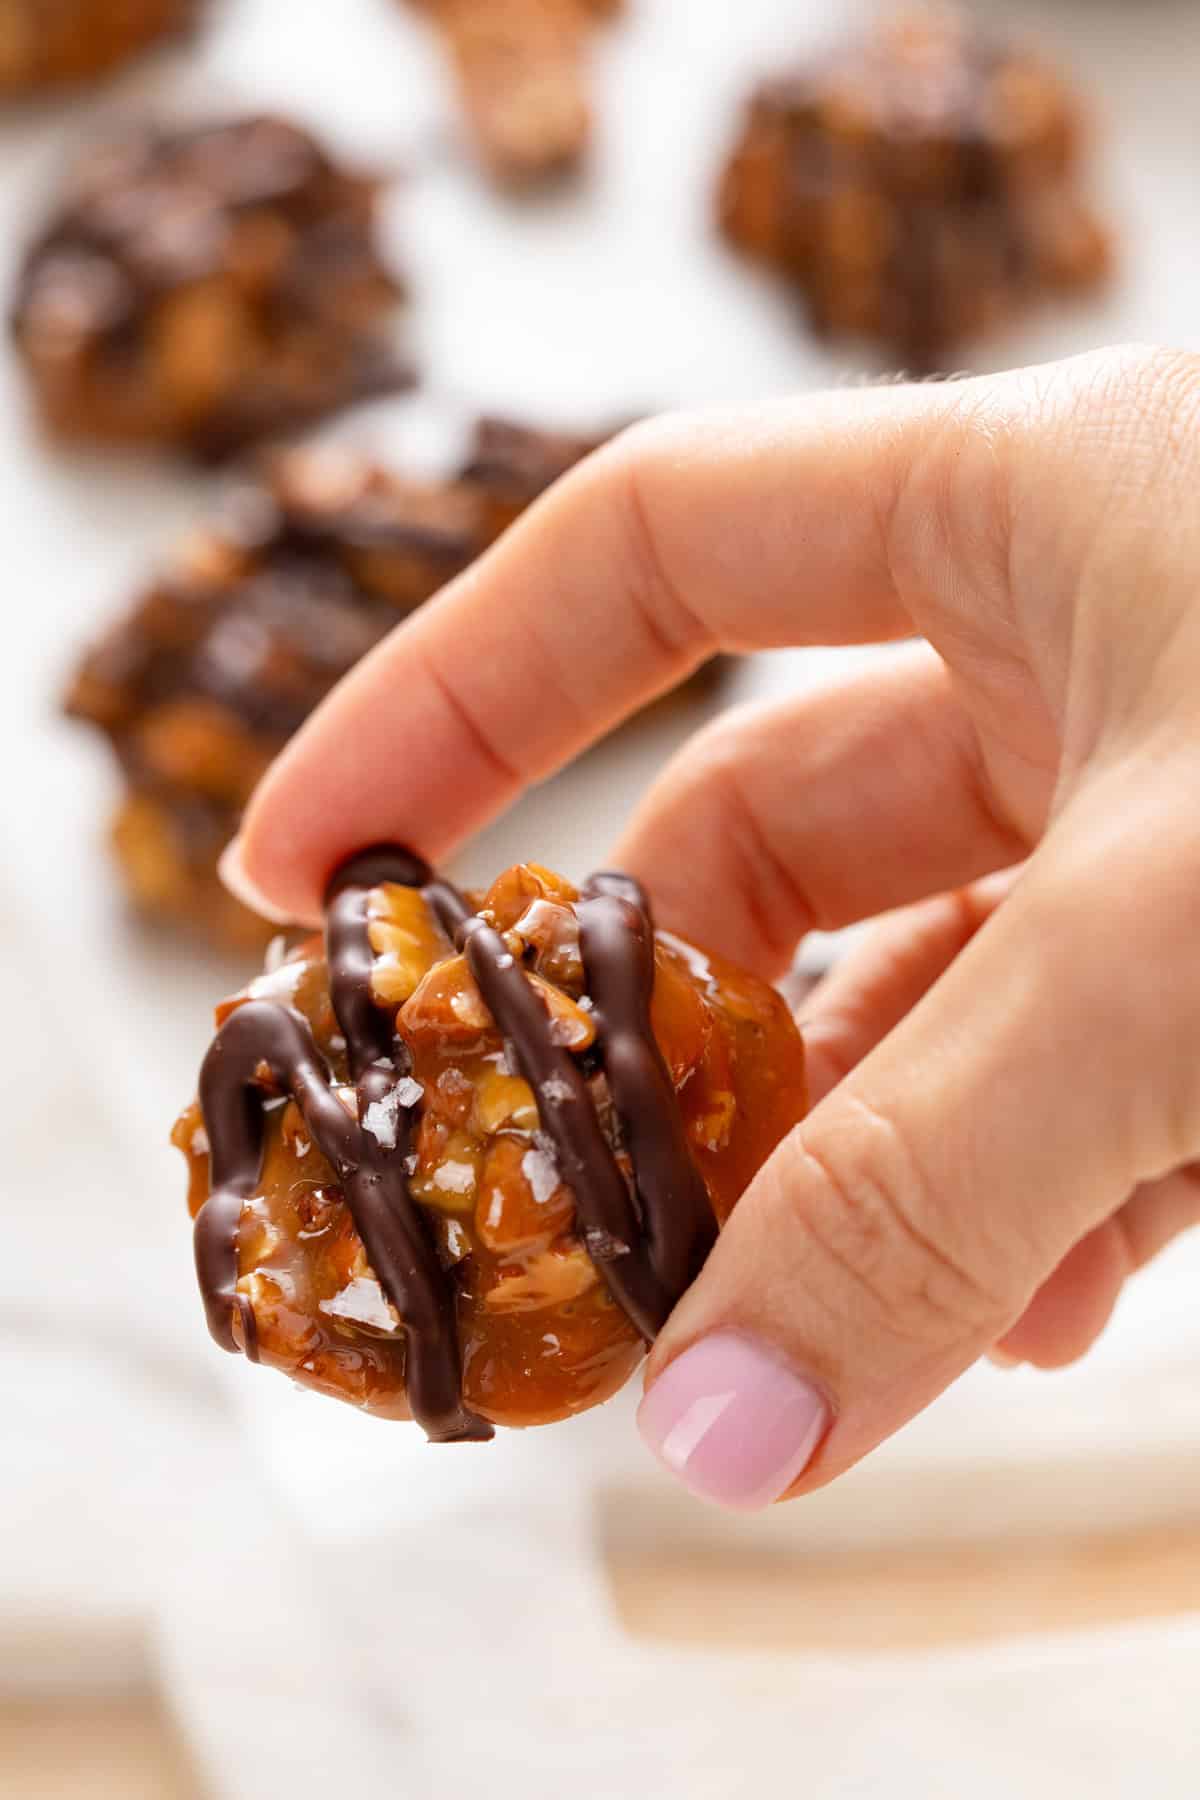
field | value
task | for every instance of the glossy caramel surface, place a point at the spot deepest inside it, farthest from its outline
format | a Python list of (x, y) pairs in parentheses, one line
[(540, 1336)]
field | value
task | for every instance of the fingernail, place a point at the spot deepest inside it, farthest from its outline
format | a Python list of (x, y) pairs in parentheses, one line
[(733, 1421), (233, 874), (1000, 1359)]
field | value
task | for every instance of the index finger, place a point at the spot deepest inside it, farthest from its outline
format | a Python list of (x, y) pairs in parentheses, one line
[(685, 536)]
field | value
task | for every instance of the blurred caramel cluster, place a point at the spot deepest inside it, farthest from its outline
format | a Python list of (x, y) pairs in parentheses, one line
[(45, 43), (916, 187), (521, 70), (205, 287), (301, 573)]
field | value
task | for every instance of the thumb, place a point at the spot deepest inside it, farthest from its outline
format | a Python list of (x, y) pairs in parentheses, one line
[(906, 1224)]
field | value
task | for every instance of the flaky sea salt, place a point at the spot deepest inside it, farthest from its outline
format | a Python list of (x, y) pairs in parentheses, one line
[(382, 1117), (363, 1301), (454, 1177), (458, 1244), (382, 1120), (541, 1172), (278, 981)]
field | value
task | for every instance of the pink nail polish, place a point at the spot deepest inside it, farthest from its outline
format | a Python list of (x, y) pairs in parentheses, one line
[(235, 878), (733, 1421)]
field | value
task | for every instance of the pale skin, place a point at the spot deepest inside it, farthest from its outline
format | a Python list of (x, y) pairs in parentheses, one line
[(1006, 1073)]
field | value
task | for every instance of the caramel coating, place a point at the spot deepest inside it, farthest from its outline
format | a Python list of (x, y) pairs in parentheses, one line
[(917, 187), (50, 43), (205, 287), (300, 574), (540, 1336)]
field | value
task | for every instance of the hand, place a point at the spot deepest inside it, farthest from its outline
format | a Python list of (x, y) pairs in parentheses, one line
[(1007, 1075)]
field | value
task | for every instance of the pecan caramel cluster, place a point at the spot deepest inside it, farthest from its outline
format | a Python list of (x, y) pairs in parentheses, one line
[(300, 574), (916, 187), (533, 1293), (205, 287)]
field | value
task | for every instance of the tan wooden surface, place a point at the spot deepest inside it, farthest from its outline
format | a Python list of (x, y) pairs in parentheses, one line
[(109, 1749), (125, 1749), (928, 1599)]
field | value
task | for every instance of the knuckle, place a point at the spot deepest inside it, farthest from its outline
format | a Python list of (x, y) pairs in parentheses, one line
[(624, 472), (731, 754), (984, 491), (725, 759), (952, 506), (1122, 419), (1143, 1032), (867, 1208), (1157, 384)]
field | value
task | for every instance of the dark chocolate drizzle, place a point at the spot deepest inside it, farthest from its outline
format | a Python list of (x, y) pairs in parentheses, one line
[(365, 1026), (267, 1040), (398, 1241), (647, 1240), (616, 940), (261, 1050), (609, 1221)]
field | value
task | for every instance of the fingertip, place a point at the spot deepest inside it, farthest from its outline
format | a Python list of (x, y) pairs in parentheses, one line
[(242, 884), (733, 1421), (278, 862)]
